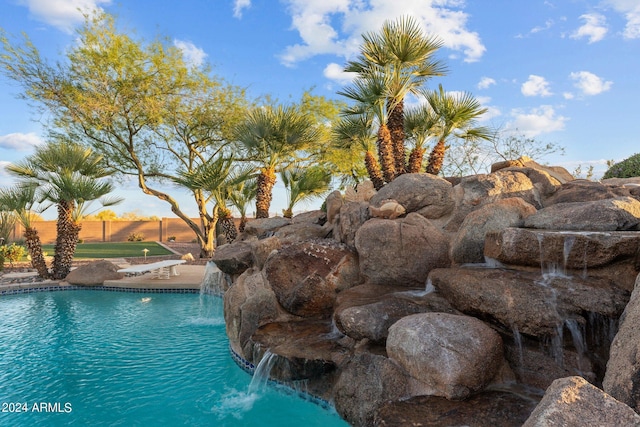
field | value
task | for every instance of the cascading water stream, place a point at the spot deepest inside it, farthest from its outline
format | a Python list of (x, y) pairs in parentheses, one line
[(262, 371)]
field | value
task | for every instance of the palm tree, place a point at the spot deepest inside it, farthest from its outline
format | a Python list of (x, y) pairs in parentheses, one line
[(240, 197), (304, 183), (370, 91), (457, 115), (270, 137), (21, 200), (68, 175), (357, 131), (420, 125), (406, 53)]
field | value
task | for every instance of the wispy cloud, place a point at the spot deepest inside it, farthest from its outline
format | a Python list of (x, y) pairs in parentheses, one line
[(20, 141), (239, 6), (594, 28), (63, 14), (631, 11), (543, 119), (192, 54), (335, 26), (336, 73), (486, 82), (589, 83), (535, 86)]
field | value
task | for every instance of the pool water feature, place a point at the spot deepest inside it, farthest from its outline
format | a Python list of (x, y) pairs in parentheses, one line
[(129, 359)]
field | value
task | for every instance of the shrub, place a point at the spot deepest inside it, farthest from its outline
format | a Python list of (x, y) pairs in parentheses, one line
[(135, 237), (628, 168), (12, 253)]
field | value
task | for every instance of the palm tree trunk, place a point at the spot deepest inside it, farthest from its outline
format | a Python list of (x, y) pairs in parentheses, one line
[(436, 158), (227, 225), (395, 122), (32, 242), (66, 240), (415, 159), (373, 168), (243, 223), (385, 154), (266, 181)]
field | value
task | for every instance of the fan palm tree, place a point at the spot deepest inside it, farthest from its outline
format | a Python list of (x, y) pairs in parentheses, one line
[(304, 183), (240, 197), (68, 175), (420, 125), (270, 137), (404, 51), (457, 115), (370, 91), (357, 131), (20, 200)]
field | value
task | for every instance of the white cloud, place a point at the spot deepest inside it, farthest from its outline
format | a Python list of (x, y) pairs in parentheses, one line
[(20, 141), (568, 95), (63, 14), (485, 82), (192, 54), (535, 86), (336, 73), (239, 5), (631, 11), (335, 26), (589, 83), (536, 121), (594, 28)]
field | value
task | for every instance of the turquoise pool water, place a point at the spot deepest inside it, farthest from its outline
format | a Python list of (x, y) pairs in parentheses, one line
[(127, 359)]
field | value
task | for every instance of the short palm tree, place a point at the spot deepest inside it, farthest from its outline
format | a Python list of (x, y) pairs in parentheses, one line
[(370, 91), (304, 183), (68, 175), (420, 124), (406, 53), (457, 116), (21, 200), (270, 137), (356, 131)]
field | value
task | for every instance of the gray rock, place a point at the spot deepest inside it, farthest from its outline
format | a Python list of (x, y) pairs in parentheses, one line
[(456, 355), (265, 227), (573, 402), (94, 274), (352, 216)]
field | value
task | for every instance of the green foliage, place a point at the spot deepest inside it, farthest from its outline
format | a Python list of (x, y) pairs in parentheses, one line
[(7, 221), (12, 253), (628, 168), (135, 237)]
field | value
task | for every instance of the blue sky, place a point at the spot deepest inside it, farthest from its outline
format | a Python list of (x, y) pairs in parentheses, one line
[(561, 71)]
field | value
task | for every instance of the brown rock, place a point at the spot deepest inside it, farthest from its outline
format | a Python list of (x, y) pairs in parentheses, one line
[(234, 258), (94, 274), (455, 355), (400, 252), (573, 402), (582, 190), (352, 216), (265, 227)]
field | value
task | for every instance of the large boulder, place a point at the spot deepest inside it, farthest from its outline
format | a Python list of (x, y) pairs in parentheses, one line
[(300, 231), (94, 274), (573, 402), (352, 216), (468, 245), (532, 304), (371, 320), (265, 227), (455, 355), (424, 193), (365, 383), (234, 258), (400, 252), (622, 378), (334, 203), (621, 213), (307, 276), (582, 190)]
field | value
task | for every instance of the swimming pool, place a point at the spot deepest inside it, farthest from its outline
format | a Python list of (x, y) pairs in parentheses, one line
[(129, 359)]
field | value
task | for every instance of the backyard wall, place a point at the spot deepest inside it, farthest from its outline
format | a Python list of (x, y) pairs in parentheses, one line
[(116, 231)]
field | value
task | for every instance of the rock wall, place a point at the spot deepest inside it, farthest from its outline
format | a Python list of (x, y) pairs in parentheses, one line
[(493, 288)]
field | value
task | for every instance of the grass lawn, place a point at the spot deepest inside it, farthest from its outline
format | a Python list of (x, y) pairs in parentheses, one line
[(113, 250)]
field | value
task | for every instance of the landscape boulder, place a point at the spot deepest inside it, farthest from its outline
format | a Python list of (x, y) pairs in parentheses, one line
[(94, 274), (583, 190), (265, 227), (573, 402), (456, 355), (234, 258), (402, 251)]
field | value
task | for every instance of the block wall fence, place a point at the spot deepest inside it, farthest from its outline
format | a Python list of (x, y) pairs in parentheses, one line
[(116, 231)]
